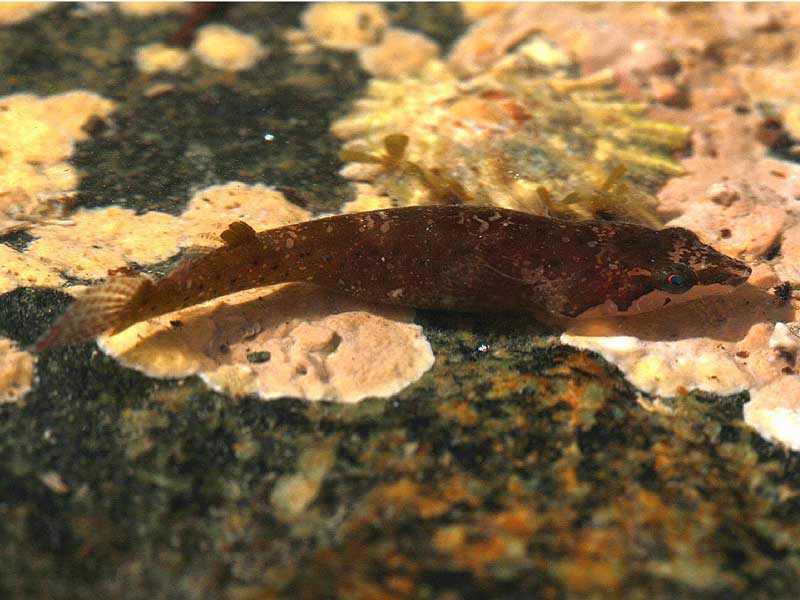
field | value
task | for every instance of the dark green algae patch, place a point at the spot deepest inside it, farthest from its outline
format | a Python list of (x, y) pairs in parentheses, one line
[(514, 469)]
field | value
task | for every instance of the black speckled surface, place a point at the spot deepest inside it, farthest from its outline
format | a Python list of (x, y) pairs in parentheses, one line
[(514, 469)]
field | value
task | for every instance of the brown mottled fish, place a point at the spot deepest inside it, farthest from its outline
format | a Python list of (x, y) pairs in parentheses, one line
[(447, 257)]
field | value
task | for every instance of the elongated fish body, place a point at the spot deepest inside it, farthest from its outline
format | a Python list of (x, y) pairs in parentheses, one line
[(447, 257)]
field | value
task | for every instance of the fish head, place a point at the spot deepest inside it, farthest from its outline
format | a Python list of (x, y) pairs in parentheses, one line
[(658, 268)]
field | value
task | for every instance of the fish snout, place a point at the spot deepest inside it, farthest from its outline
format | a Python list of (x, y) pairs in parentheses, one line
[(736, 274)]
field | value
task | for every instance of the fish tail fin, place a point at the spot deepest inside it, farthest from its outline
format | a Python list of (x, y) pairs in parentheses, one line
[(98, 309)]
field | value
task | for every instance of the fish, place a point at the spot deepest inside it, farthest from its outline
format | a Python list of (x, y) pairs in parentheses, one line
[(450, 257)]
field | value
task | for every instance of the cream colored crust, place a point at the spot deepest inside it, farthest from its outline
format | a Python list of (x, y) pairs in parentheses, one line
[(654, 300)]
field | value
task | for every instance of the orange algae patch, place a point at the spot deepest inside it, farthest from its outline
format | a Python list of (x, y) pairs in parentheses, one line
[(407, 493), (16, 372)]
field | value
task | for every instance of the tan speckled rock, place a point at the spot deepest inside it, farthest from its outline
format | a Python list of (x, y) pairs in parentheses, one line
[(719, 344), (400, 52), (290, 340), (746, 228), (12, 13), (16, 372), (37, 135), (224, 47), (18, 269), (345, 25), (153, 58), (103, 239), (212, 209), (788, 267), (148, 9), (774, 411), (478, 10)]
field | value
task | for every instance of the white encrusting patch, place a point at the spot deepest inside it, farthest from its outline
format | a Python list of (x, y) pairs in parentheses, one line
[(655, 300)]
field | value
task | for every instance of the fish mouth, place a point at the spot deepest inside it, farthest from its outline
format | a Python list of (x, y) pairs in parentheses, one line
[(731, 275), (740, 277)]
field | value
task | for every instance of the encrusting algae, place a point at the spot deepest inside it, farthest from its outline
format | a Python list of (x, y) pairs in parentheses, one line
[(223, 47), (529, 123), (37, 136)]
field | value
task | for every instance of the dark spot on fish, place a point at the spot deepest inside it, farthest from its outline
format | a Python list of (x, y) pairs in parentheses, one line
[(224, 348), (725, 233), (176, 323), (258, 357), (667, 301), (788, 371), (742, 354), (301, 370)]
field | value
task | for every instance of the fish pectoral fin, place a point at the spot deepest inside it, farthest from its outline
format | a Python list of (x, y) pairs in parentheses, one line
[(238, 233)]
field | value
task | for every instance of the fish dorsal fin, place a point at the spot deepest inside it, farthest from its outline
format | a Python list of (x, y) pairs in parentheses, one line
[(238, 233)]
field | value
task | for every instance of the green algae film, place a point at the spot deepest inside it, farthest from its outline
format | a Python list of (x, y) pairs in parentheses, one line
[(444, 257)]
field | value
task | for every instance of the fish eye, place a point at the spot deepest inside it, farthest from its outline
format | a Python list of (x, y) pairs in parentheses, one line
[(676, 278)]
